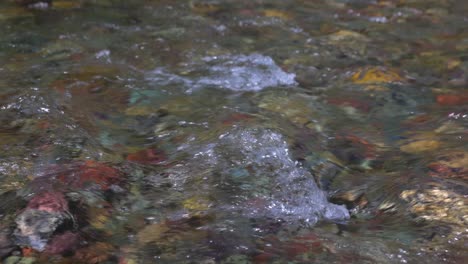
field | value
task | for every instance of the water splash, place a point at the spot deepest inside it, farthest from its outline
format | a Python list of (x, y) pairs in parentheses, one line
[(233, 72), (257, 162)]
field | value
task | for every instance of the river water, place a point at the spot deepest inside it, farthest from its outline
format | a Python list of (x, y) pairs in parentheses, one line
[(209, 131)]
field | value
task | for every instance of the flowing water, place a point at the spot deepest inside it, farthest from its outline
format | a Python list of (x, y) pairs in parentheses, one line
[(210, 131)]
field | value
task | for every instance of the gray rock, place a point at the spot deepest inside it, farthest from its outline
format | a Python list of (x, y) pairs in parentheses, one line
[(35, 227)]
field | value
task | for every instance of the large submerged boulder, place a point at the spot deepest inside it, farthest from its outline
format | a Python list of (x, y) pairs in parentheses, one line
[(255, 176)]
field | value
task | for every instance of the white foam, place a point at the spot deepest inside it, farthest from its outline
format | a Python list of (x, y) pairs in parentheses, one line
[(292, 192), (233, 72), (258, 162)]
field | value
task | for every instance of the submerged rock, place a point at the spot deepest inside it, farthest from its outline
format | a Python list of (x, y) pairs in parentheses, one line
[(63, 243), (6, 245), (35, 227), (257, 163), (37, 223), (39, 4), (299, 109), (437, 204)]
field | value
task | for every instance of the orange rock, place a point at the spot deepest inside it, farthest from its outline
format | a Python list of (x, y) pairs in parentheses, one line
[(452, 99), (28, 252)]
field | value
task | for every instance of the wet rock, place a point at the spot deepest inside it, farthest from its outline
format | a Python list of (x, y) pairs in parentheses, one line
[(147, 157), (100, 174), (49, 202), (40, 4), (351, 43), (376, 75), (37, 223), (352, 198), (452, 99), (437, 204), (276, 13), (61, 49), (351, 104), (6, 245), (299, 109), (13, 13), (35, 227), (236, 259), (19, 260), (63, 243), (66, 4), (346, 35), (152, 233), (91, 173), (420, 146), (197, 204), (205, 7), (96, 253), (168, 233), (350, 149), (450, 165)]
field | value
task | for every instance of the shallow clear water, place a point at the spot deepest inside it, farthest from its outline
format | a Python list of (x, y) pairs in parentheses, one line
[(234, 131)]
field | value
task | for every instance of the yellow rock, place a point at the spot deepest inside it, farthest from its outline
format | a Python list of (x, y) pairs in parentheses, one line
[(64, 4), (376, 75), (295, 108), (277, 13), (343, 35), (203, 8), (457, 159), (152, 233), (196, 203), (14, 12), (139, 110), (98, 217), (376, 88), (453, 63), (420, 146)]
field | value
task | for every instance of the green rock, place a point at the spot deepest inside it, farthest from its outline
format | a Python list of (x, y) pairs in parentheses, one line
[(237, 259), (19, 260)]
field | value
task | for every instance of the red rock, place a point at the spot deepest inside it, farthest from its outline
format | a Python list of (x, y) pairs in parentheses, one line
[(49, 201), (147, 157), (95, 253), (361, 146), (445, 171), (294, 249), (100, 174), (452, 99), (235, 118), (90, 172), (309, 243), (66, 242), (28, 252), (264, 257)]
